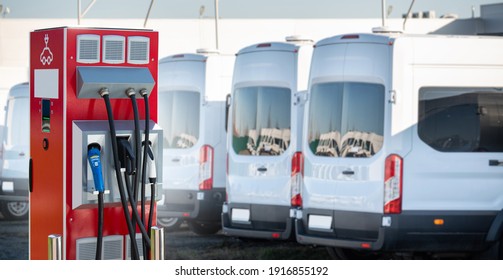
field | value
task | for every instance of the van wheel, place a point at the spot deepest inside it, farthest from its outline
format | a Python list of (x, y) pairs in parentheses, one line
[(337, 253), (15, 210), (204, 228), (170, 224)]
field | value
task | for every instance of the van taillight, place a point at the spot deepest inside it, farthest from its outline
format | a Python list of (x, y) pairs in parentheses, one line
[(350, 36), (264, 45), (296, 179), (393, 172), (206, 168)]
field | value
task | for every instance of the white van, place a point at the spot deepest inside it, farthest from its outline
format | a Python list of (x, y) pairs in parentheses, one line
[(192, 94), (263, 138), (417, 123), (15, 154)]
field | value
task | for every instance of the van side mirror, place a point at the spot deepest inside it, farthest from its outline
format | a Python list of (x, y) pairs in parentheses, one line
[(227, 106)]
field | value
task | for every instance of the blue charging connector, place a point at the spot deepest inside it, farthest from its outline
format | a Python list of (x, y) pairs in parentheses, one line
[(94, 157)]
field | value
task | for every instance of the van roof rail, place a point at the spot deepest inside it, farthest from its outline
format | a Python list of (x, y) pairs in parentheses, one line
[(207, 51), (298, 38), (386, 30)]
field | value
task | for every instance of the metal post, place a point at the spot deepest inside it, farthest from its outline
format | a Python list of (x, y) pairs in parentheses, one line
[(148, 13), (216, 23), (408, 14), (383, 4), (78, 12), (54, 247), (156, 243)]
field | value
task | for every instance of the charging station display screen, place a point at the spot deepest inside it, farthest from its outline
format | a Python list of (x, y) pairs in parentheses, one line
[(46, 115)]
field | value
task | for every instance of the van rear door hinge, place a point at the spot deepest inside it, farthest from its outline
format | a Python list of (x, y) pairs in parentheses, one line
[(393, 96)]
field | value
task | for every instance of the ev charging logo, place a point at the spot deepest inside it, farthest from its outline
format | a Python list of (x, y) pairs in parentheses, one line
[(46, 57)]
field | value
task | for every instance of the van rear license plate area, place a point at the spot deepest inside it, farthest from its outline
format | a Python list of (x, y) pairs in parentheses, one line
[(240, 215), (318, 222)]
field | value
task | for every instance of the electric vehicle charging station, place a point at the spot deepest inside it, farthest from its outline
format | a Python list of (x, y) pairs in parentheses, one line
[(89, 146)]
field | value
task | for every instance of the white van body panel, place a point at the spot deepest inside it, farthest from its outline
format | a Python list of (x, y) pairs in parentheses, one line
[(15, 154), (192, 96), (274, 66), (453, 180), (16, 146), (265, 129), (181, 166), (344, 197), (325, 184), (209, 75)]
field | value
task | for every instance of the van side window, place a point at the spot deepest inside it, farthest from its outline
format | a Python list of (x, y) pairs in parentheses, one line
[(346, 119), (461, 119), (17, 122), (261, 120), (179, 117)]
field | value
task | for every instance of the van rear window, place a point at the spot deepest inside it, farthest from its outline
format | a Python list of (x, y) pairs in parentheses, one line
[(261, 120), (179, 118), (461, 119), (346, 119)]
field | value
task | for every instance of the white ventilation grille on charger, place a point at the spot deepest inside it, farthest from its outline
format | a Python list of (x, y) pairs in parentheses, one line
[(114, 49), (88, 48), (112, 248), (138, 50)]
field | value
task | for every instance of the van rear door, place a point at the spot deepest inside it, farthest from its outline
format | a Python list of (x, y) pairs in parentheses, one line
[(345, 128)]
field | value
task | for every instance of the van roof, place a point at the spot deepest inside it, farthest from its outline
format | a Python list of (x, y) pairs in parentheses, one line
[(385, 38), (270, 46), (184, 57), (20, 90)]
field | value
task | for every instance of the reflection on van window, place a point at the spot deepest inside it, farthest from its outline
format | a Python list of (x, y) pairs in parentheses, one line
[(346, 119), (179, 118), (18, 121), (461, 119), (261, 120)]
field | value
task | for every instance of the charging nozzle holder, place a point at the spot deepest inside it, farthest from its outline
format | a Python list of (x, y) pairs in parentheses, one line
[(126, 155)]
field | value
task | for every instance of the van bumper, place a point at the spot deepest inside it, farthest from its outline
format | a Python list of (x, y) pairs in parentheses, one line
[(194, 205), (462, 231), (14, 189), (266, 221)]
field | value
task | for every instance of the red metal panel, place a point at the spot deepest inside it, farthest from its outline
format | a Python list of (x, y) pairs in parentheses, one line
[(46, 199), (82, 222)]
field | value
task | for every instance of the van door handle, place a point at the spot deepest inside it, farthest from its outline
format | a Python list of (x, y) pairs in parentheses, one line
[(262, 169), (495, 162), (348, 172)]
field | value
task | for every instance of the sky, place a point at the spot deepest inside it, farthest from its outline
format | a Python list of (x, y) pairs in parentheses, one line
[(236, 8)]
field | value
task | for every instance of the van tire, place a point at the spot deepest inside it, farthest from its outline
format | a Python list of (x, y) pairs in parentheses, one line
[(202, 228), (170, 224), (15, 210)]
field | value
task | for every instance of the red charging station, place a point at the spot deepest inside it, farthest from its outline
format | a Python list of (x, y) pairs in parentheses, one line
[(69, 69)]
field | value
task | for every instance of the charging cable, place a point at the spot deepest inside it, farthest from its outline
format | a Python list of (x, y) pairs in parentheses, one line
[(152, 177), (146, 149), (131, 93), (104, 93), (94, 157)]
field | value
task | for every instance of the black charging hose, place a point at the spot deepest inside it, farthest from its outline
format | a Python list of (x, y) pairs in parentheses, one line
[(99, 243), (136, 178), (131, 229), (137, 139), (146, 144)]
